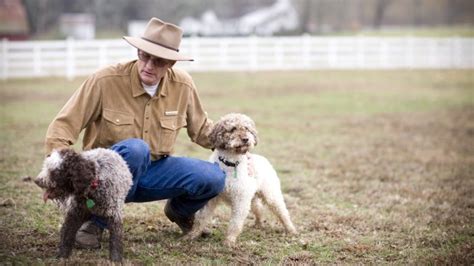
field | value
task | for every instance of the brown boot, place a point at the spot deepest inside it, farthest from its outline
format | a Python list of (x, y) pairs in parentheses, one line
[(184, 223), (89, 236)]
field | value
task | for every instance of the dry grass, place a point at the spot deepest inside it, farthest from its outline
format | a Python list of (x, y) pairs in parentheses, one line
[(376, 167)]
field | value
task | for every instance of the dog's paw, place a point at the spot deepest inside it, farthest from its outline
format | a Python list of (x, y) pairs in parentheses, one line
[(291, 231), (115, 258), (64, 252), (229, 243), (206, 233), (187, 237), (258, 225), (192, 235)]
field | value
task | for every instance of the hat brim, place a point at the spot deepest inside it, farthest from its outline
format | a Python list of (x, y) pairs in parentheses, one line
[(155, 49)]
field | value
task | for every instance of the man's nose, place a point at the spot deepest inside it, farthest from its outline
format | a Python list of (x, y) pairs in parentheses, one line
[(150, 63)]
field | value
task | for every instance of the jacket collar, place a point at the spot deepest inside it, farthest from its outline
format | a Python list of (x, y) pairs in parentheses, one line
[(163, 88), (136, 85)]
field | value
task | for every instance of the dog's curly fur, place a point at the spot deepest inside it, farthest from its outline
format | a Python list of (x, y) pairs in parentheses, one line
[(250, 180), (71, 178)]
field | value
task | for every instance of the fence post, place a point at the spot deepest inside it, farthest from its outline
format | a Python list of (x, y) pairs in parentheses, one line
[(223, 51), (306, 51), (4, 59), (194, 51), (360, 52), (383, 53), (410, 54), (103, 54), (332, 52), (457, 54), (468, 60), (278, 48), (36, 59), (70, 59), (253, 52), (433, 52)]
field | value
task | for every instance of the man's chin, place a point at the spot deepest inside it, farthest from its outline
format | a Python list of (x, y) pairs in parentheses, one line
[(148, 79)]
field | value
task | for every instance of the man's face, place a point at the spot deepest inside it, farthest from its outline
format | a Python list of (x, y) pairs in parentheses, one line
[(151, 69)]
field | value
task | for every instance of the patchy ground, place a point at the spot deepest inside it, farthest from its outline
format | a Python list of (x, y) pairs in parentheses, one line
[(376, 167)]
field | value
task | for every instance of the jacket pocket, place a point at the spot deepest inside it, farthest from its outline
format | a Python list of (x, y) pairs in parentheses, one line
[(116, 126), (170, 127)]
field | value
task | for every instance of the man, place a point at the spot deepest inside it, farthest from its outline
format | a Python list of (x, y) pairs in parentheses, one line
[(137, 109)]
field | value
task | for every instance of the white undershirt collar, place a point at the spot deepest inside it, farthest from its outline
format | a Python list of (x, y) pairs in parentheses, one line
[(151, 90)]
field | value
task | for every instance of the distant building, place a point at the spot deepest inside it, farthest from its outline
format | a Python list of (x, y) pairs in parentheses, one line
[(13, 20), (79, 26), (281, 16)]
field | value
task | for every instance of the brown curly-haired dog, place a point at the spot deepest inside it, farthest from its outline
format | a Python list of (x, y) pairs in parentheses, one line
[(93, 182)]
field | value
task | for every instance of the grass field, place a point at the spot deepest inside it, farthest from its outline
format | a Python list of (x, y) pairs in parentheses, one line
[(376, 167)]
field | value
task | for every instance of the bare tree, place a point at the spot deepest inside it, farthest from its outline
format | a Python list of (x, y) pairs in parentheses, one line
[(110, 14), (305, 14), (380, 9), (43, 15), (459, 11), (416, 12)]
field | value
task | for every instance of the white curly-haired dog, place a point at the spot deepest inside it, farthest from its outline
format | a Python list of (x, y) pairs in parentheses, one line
[(250, 180), (93, 182)]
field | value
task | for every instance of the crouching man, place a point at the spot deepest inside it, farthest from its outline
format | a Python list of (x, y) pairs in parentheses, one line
[(137, 109)]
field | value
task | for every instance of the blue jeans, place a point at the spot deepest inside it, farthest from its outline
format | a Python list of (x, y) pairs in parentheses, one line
[(188, 183)]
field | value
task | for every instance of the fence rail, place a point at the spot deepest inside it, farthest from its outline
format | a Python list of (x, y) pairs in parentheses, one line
[(71, 58)]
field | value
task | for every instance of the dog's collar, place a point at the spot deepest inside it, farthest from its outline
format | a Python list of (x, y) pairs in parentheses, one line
[(95, 183), (250, 166), (90, 202), (228, 163)]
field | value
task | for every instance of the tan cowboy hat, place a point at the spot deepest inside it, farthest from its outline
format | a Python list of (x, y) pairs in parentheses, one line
[(160, 39)]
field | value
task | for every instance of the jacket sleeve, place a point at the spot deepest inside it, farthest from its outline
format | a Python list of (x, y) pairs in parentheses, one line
[(198, 124), (80, 110)]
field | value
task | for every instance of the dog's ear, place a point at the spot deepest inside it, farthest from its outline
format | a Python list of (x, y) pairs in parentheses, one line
[(251, 127), (254, 132), (214, 134), (78, 170)]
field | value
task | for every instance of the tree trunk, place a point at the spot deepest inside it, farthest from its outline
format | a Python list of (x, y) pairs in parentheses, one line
[(380, 9)]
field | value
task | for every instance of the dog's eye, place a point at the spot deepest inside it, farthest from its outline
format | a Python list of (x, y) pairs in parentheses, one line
[(233, 129)]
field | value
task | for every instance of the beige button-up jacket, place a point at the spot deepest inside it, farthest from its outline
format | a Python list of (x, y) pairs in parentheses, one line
[(111, 105)]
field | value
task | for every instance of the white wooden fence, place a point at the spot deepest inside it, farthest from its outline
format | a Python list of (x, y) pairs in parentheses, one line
[(71, 58)]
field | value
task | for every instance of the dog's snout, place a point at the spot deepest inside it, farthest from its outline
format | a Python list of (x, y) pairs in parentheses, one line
[(39, 182), (245, 140)]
